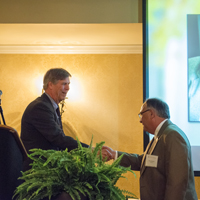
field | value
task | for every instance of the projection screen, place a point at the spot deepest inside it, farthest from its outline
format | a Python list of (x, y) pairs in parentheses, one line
[(172, 63)]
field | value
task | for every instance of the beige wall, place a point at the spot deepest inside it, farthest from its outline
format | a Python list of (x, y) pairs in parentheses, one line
[(108, 102), (106, 106)]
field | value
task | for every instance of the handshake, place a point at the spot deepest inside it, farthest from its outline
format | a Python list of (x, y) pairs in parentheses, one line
[(108, 153)]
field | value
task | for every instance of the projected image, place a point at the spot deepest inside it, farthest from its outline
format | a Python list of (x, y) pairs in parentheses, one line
[(174, 64), (193, 22)]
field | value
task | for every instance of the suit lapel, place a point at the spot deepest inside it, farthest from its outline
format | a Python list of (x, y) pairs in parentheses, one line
[(149, 151), (48, 102), (167, 123), (151, 146), (143, 158)]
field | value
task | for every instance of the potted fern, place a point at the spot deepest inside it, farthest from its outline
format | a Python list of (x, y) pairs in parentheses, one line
[(78, 174)]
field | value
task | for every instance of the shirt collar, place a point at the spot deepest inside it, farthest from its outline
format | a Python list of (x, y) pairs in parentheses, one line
[(54, 104), (158, 128)]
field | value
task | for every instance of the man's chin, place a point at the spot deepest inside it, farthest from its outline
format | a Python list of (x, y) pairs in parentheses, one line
[(62, 99), (144, 129)]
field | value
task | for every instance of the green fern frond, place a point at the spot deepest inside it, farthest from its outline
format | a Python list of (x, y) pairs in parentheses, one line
[(80, 171), (79, 144), (129, 194), (98, 148), (117, 193), (91, 143)]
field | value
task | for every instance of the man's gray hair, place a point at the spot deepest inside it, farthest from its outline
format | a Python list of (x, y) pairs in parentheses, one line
[(54, 75), (160, 106)]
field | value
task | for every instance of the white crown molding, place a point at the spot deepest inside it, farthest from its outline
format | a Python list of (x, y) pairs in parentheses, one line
[(113, 49)]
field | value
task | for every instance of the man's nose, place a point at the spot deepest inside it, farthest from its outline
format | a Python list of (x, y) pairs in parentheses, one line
[(67, 86)]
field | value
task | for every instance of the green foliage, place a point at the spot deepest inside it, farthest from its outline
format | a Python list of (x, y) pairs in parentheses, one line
[(81, 170)]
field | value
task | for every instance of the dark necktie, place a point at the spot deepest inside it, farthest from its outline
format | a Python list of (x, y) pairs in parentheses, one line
[(152, 146), (59, 116)]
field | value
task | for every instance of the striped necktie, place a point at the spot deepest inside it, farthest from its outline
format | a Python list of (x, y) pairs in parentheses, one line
[(149, 149)]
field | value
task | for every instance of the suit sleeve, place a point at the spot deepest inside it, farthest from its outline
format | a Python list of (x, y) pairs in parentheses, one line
[(43, 120), (177, 158), (133, 160)]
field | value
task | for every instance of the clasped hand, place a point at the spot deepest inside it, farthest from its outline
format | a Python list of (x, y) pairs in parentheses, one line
[(108, 153)]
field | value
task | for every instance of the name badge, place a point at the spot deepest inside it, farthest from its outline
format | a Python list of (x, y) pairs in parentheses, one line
[(151, 161)]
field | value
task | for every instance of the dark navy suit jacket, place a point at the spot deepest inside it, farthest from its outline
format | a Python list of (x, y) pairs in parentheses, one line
[(40, 128)]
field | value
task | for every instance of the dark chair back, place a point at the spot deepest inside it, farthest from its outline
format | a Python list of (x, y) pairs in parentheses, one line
[(12, 154)]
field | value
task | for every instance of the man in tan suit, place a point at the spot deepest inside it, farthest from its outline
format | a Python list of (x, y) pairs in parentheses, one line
[(166, 171)]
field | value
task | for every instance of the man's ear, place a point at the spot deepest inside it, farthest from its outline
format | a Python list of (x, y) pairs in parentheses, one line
[(50, 84), (153, 113)]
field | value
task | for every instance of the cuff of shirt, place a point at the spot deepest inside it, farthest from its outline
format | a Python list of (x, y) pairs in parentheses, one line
[(116, 155)]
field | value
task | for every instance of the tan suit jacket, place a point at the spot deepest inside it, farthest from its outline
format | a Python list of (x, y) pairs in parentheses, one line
[(173, 178)]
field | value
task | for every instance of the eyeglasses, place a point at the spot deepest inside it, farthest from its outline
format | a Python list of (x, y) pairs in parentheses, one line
[(141, 113)]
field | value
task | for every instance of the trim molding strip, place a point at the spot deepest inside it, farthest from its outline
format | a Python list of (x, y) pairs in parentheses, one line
[(27, 49)]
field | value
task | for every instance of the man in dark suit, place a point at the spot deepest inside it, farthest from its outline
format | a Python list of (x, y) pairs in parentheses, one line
[(41, 125), (166, 171)]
